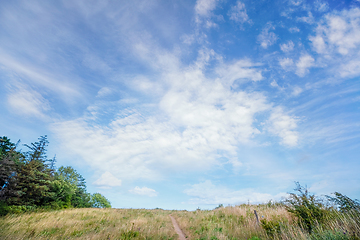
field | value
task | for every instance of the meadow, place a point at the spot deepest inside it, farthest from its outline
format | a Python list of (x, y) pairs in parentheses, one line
[(232, 222), (88, 223)]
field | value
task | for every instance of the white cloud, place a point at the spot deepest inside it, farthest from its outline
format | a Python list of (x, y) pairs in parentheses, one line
[(267, 38), (145, 85), (208, 193), (104, 91), (274, 84), (204, 7), (321, 6), (296, 2), (338, 32), (286, 63), (318, 43), (294, 29), (198, 120), (203, 10), (107, 180), (297, 91), (25, 101), (242, 70), (350, 69), (283, 126), (144, 191), (305, 62), (337, 41), (287, 47), (188, 39), (238, 13), (306, 19), (210, 24), (35, 76)]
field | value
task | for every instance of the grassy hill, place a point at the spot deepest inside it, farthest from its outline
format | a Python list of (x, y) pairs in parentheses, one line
[(236, 222), (89, 223)]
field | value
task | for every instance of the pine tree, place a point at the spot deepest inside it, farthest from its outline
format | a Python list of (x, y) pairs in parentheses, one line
[(9, 161), (33, 177)]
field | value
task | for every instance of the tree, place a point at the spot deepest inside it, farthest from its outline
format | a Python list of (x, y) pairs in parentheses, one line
[(8, 169), (37, 150), (33, 177), (30, 179), (69, 186), (99, 201), (9, 161), (5, 146)]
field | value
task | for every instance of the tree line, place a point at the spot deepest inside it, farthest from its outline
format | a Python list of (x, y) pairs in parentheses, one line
[(29, 180)]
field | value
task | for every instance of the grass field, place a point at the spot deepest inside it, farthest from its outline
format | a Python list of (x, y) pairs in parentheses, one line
[(236, 222), (89, 224)]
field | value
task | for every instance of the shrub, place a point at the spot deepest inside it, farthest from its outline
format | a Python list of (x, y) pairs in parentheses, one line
[(271, 227), (306, 207), (4, 209), (20, 209), (344, 203)]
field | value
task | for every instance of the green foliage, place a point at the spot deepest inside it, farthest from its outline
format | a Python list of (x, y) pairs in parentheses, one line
[(9, 162), (37, 150), (344, 203), (33, 184), (306, 207), (5, 146), (3, 208), (332, 235), (220, 206), (69, 188), (99, 201), (129, 234), (8, 169), (254, 238), (271, 227), (27, 181)]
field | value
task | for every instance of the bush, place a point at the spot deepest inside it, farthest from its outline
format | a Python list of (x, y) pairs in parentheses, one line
[(271, 227), (4, 209), (20, 209), (344, 203), (306, 207)]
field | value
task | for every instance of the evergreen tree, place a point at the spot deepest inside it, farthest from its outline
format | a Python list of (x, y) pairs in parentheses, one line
[(33, 177), (9, 161), (30, 179)]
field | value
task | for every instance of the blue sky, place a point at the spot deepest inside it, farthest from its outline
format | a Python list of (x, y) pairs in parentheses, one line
[(187, 104)]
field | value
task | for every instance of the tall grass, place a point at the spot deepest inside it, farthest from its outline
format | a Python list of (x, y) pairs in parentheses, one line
[(89, 224), (233, 222), (239, 222)]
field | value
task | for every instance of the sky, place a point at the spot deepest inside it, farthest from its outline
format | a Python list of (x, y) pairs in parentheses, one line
[(187, 104)]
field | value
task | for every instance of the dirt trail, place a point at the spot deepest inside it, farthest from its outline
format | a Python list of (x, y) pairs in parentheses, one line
[(177, 229)]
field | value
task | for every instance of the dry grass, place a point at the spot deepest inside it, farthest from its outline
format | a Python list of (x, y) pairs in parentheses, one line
[(239, 222), (236, 222), (89, 224)]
